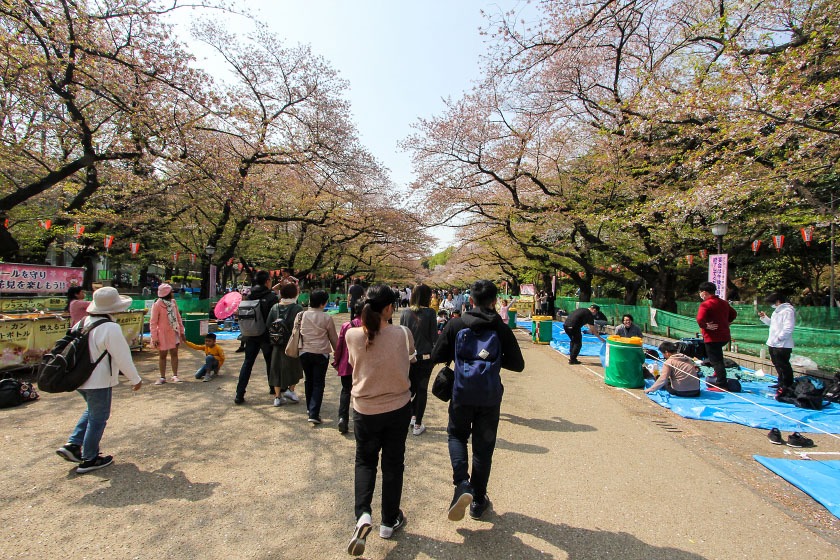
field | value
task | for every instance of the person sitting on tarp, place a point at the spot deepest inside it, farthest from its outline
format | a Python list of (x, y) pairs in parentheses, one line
[(678, 375), (628, 328), (573, 324)]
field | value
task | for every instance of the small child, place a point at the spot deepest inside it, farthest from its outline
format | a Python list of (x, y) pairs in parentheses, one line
[(213, 359)]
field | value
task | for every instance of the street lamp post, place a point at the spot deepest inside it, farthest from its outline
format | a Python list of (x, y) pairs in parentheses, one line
[(719, 229), (210, 250)]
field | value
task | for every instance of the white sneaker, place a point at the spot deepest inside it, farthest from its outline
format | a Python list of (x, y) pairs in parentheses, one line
[(413, 421), (160, 381), (279, 401), (418, 429), (175, 379), (291, 395), (356, 547), (206, 378), (387, 532)]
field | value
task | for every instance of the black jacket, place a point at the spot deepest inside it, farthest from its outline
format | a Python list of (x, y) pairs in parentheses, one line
[(479, 319)]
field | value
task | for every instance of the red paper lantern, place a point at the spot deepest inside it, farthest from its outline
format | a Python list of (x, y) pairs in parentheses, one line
[(756, 245), (807, 235), (704, 254), (135, 248), (80, 229), (690, 259), (109, 240), (192, 258), (175, 256), (778, 242), (46, 224)]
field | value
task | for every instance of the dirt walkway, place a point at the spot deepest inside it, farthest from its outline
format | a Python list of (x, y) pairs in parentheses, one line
[(581, 471)]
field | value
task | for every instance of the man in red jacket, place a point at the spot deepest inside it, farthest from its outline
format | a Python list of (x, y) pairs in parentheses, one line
[(714, 317)]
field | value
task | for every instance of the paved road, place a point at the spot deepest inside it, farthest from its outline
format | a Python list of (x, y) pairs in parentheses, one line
[(581, 471)]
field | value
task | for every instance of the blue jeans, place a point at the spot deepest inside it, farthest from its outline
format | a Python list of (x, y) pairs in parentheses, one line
[(315, 369), (253, 345), (482, 423), (211, 365), (91, 425)]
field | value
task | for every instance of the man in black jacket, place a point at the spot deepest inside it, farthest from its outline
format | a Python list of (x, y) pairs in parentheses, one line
[(253, 344), (577, 319), (479, 421)]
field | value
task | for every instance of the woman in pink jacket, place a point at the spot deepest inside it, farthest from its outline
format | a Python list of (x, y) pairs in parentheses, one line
[(167, 330)]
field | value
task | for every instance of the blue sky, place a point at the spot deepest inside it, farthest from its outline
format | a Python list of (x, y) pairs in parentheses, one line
[(400, 57)]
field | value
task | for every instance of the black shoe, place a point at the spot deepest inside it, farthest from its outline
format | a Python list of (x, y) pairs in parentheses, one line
[(356, 547), (95, 464), (238, 399), (774, 386), (342, 425), (713, 380), (387, 531), (315, 420), (70, 452), (798, 440), (775, 436), (574, 362), (460, 501), (478, 507), (240, 349)]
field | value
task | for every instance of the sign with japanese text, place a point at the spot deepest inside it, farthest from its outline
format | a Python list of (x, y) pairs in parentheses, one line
[(29, 304), (33, 278), (718, 267)]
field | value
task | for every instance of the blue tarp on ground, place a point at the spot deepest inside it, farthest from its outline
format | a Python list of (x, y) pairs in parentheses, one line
[(755, 407), (560, 340), (818, 479)]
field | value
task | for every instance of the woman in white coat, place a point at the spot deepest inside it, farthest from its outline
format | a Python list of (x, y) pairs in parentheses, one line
[(83, 444)]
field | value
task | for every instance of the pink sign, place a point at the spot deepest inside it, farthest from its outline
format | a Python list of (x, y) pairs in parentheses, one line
[(33, 278), (718, 269)]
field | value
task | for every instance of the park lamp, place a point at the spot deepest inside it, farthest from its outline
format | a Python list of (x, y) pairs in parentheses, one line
[(719, 229), (210, 250)]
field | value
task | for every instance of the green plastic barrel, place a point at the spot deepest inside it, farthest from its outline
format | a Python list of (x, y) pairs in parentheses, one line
[(623, 363), (342, 306), (195, 327), (512, 318), (541, 329)]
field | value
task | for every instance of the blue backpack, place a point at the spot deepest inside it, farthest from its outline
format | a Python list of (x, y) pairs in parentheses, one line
[(478, 363)]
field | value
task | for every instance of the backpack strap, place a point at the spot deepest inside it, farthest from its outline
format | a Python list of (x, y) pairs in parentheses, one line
[(86, 331), (408, 345)]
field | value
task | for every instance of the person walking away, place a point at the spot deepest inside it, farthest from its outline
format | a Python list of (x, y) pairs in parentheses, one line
[(379, 354), (83, 444), (474, 413), (354, 295), (259, 343), (678, 375), (214, 357), (76, 304), (318, 336), (285, 371), (422, 322), (341, 362), (714, 317), (628, 328), (780, 338), (167, 331), (574, 323)]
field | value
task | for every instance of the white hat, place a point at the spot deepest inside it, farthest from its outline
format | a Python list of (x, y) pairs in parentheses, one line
[(108, 300)]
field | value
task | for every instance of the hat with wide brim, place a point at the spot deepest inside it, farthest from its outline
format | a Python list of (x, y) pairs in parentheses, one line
[(108, 300), (164, 290)]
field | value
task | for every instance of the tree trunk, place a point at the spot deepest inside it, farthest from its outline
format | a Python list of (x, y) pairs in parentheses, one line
[(664, 290)]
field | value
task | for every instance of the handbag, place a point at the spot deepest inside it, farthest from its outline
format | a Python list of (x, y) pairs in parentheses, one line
[(293, 346), (442, 385)]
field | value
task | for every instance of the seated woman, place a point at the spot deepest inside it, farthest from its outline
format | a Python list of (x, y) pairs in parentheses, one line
[(678, 375)]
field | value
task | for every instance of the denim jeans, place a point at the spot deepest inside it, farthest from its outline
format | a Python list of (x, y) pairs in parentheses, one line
[(253, 345), (419, 374), (344, 397), (211, 365), (374, 433), (482, 423), (575, 341), (91, 425), (781, 361), (315, 370), (714, 353)]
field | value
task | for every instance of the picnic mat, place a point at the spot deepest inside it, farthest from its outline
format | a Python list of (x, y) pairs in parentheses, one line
[(819, 479), (560, 340), (755, 406)]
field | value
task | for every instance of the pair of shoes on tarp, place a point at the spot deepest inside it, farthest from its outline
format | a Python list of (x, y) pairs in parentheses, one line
[(794, 440)]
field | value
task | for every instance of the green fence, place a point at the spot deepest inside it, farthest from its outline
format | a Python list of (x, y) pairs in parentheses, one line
[(813, 317)]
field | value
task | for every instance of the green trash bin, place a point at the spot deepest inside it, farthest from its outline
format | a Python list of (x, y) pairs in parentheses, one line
[(541, 332), (512, 318), (195, 327), (623, 362), (342, 306)]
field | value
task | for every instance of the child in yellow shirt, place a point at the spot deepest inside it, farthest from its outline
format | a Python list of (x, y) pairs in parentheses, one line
[(213, 359)]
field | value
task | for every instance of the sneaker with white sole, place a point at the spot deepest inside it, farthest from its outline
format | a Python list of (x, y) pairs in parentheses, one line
[(70, 452), (798, 440), (279, 401), (460, 501), (418, 429), (413, 421), (99, 462), (161, 381), (291, 395), (775, 437), (387, 531), (356, 547), (176, 379)]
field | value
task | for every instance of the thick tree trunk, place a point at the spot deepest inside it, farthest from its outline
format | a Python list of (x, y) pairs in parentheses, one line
[(664, 290)]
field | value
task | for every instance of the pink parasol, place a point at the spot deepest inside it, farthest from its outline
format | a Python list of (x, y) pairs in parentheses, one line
[(226, 306)]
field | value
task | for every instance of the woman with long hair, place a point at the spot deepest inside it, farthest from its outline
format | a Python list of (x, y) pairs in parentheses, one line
[(380, 354), (420, 318), (167, 331)]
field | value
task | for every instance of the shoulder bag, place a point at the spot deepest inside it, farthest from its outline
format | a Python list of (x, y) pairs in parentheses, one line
[(293, 346)]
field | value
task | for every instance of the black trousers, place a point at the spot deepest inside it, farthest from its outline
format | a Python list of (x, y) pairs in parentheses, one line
[(781, 361), (714, 353), (386, 433), (253, 346), (419, 374), (575, 341)]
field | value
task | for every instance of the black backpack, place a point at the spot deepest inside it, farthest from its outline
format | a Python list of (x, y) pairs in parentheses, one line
[(803, 394), (279, 331), (832, 389), (10, 393), (68, 365)]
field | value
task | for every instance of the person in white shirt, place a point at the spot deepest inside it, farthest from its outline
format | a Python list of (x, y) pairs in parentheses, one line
[(780, 338), (83, 444)]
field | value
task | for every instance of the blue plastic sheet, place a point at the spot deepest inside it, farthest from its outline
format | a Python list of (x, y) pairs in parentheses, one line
[(560, 340), (755, 406), (818, 479)]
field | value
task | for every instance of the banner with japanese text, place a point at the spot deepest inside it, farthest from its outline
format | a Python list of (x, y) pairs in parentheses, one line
[(718, 267), (29, 304), (32, 278)]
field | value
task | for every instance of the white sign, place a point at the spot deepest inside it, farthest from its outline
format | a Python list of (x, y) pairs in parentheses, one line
[(718, 266)]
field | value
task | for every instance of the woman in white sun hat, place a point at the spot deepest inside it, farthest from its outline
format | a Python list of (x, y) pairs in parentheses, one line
[(83, 444)]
